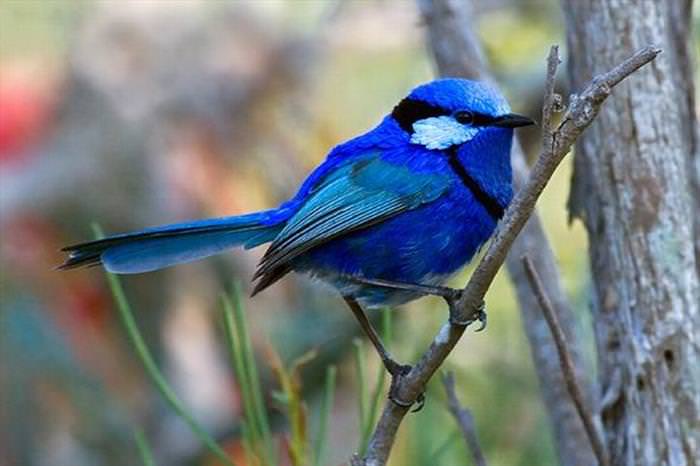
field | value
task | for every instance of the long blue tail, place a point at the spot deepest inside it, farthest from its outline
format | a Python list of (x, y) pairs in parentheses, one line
[(159, 247)]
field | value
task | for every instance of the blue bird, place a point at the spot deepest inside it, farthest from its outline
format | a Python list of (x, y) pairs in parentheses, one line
[(387, 217)]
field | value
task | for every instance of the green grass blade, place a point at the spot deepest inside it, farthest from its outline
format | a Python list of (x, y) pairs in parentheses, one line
[(247, 445), (387, 329), (326, 407), (151, 367), (253, 376), (252, 430), (362, 394), (144, 448)]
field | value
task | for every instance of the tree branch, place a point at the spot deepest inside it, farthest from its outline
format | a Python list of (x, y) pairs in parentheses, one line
[(567, 364), (580, 114), (464, 418), (457, 52)]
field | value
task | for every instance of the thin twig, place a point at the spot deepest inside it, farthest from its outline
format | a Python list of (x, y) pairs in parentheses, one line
[(581, 112), (567, 365), (464, 419), (550, 104)]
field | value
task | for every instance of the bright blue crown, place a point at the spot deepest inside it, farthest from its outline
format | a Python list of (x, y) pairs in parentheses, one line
[(454, 94)]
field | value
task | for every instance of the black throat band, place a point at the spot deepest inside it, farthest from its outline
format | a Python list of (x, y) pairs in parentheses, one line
[(491, 205)]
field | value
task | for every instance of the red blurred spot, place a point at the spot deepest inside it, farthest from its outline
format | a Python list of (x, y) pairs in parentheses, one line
[(25, 107), (89, 304)]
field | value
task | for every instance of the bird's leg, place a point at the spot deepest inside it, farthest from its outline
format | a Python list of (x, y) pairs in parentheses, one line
[(390, 364), (450, 295), (395, 369)]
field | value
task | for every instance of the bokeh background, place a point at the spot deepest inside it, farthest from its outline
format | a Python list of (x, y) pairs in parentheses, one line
[(131, 114)]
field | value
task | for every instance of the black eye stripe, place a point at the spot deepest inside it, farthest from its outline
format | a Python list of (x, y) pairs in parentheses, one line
[(479, 119), (408, 111)]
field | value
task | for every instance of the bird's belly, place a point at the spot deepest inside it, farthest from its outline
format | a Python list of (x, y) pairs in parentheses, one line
[(424, 246)]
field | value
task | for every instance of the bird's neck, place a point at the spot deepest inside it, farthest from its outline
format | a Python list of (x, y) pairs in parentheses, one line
[(483, 165)]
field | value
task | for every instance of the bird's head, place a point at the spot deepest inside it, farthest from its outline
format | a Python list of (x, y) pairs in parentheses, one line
[(449, 112)]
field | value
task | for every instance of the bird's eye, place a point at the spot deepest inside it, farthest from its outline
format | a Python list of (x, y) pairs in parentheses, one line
[(464, 117)]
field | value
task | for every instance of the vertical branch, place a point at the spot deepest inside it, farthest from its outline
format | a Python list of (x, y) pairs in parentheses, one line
[(567, 363), (464, 418)]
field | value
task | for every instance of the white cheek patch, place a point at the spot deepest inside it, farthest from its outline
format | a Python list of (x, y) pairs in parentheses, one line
[(441, 132)]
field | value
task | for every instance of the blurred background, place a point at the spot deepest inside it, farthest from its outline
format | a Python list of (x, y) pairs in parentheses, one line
[(136, 113)]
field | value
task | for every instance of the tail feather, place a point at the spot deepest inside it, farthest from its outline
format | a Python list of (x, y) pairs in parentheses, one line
[(159, 247)]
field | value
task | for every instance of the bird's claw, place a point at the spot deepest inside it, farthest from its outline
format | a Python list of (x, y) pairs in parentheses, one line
[(398, 371), (420, 402), (481, 316)]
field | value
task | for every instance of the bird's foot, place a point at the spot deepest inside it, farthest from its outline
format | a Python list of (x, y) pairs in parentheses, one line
[(397, 372), (480, 316), (451, 295)]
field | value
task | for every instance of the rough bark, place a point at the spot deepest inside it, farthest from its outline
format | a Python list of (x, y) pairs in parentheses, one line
[(632, 189), (679, 21), (457, 52)]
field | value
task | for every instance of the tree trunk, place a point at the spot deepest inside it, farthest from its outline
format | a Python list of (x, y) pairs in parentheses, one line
[(680, 17), (632, 189)]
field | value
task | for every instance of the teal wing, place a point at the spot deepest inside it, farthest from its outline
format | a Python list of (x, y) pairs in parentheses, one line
[(353, 197)]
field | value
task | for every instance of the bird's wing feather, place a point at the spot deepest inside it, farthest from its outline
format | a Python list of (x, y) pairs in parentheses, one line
[(355, 196)]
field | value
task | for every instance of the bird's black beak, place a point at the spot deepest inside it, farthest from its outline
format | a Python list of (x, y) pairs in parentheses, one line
[(512, 120)]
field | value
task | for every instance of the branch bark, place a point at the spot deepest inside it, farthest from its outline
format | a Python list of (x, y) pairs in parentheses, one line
[(567, 364), (632, 190), (457, 52), (581, 112), (464, 418)]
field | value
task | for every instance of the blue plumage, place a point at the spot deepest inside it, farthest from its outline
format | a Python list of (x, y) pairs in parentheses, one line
[(410, 201)]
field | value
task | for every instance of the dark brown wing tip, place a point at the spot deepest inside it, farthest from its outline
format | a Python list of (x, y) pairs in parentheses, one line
[(77, 261), (67, 265), (257, 289), (268, 278)]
